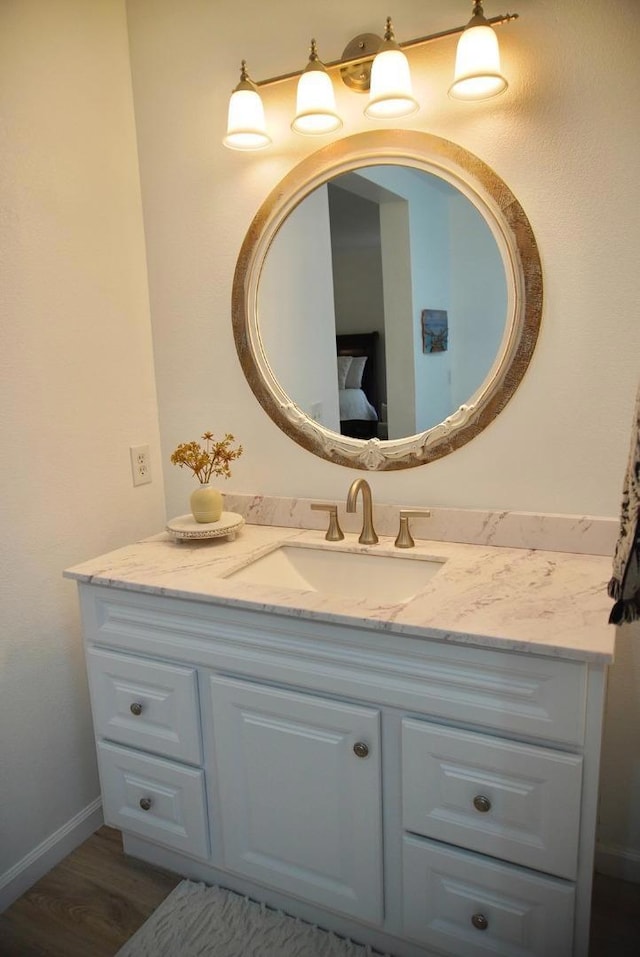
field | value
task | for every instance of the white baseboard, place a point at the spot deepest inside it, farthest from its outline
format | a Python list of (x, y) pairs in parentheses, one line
[(616, 861), (20, 877)]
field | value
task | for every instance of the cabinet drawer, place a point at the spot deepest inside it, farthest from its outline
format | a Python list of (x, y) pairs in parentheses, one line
[(470, 906), (513, 801), (154, 798), (145, 704)]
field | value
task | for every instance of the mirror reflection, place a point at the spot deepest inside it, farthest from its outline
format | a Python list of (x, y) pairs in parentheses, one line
[(382, 302)]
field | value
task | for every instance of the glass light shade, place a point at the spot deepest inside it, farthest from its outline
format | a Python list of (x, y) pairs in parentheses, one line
[(391, 91), (315, 103), (246, 126), (477, 73)]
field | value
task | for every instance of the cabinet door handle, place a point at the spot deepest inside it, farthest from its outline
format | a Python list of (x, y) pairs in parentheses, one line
[(482, 803), (360, 749), (145, 803), (136, 708), (479, 921)]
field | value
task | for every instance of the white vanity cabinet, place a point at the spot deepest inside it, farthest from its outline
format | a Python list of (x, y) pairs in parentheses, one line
[(426, 797)]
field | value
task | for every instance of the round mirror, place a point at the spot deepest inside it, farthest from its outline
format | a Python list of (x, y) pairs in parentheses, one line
[(387, 300)]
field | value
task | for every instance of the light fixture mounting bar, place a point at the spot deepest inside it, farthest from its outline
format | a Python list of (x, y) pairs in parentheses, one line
[(405, 45)]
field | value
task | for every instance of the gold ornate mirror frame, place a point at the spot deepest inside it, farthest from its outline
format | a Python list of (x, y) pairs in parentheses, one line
[(516, 242)]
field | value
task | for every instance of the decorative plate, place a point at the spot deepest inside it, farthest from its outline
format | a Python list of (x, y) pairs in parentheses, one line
[(185, 527)]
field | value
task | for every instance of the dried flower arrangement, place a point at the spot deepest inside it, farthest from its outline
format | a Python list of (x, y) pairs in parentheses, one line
[(214, 458)]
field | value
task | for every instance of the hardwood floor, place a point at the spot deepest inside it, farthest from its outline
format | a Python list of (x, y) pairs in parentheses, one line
[(95, 899), (87, 906)]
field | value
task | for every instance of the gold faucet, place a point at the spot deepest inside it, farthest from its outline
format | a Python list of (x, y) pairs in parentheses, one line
[(368, 534)]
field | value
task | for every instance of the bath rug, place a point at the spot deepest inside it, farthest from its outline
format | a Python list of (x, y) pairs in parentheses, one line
[(200, 921)]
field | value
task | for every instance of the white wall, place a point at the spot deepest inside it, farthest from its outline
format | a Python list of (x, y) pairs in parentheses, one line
[(76, 389), (397, 294), (562, 138), (565, 138), (356, 260), (431, 272), (478, 299)]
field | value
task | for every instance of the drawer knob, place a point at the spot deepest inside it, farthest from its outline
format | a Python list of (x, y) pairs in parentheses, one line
[(136, 708), (145, 803), (481, 803), (360, 749), (480, 922)]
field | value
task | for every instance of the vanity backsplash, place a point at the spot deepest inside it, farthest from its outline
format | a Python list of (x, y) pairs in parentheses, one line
[(580, 534)]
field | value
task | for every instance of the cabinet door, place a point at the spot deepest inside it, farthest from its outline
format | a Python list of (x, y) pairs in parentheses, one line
[(300, 808)]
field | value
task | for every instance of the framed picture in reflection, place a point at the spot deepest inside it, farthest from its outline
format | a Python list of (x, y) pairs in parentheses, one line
[(435, 330)]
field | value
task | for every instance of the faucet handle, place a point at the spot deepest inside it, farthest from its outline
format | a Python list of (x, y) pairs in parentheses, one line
[(334, 532), (404, 539)]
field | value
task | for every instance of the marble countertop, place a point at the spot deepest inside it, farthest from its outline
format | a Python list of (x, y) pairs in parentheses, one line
[(544, 602)]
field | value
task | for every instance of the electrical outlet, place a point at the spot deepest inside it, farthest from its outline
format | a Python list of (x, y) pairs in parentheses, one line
[(140, 464)]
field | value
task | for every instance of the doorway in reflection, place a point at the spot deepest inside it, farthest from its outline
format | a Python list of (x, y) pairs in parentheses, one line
[(403, 241)]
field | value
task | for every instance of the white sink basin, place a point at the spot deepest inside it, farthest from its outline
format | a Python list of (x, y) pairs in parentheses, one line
[(378, 578)]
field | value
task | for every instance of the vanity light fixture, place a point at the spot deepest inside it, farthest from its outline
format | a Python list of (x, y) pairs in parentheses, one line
[(477, 73), (246, 125), (391, 90), (369, 63), (316, 99)]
